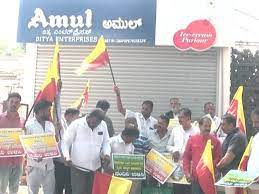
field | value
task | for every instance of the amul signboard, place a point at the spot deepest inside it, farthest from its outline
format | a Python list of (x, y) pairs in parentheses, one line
[(199, 35), (81, 21)]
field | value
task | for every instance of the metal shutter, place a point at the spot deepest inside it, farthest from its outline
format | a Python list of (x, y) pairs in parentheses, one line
[(154, 73)]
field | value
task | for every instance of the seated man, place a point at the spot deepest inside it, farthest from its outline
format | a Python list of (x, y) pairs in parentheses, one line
[(158, 139)]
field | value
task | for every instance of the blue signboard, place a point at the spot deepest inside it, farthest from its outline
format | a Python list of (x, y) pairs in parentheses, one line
[(84, 21)]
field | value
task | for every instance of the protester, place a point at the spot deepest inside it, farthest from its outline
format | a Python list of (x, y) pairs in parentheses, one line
[(89, 139), (146, 122), (105, 105), (122, 144), (233, 146), (40, 172), (175, 108), (62, 172), (209, 108), (180, 134), (253, 162), (158, 139), (194, 150), (178, 140), (11, 167)]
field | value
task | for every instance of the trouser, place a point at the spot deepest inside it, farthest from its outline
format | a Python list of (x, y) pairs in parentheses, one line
[(10, 175), (81, 181), (136, 187), (181, 189), (63, 180), (38, 177), (196, 188)]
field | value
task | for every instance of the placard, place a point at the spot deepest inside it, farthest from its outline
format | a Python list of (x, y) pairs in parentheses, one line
[(129, 166), (10, 145), (158, 166), (237, 178), (40, 145)]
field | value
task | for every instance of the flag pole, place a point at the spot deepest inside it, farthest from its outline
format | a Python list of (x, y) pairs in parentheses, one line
[(111, 72), (26, 119)]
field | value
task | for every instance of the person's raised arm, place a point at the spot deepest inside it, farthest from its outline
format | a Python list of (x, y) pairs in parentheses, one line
[(120, 107)]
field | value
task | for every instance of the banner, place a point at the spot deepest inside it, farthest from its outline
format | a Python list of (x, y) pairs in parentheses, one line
[(129, 166), (40, 145), (237, 178), (158, 166), (83, 22), (10, 144)]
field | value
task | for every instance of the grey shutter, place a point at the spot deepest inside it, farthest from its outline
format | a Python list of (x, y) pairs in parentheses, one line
[(153, 73)]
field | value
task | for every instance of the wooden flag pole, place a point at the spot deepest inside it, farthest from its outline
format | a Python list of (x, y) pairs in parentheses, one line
[(111, 72), (26, 119)]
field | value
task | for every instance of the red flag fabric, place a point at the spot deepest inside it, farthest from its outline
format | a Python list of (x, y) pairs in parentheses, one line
[(205, 171), (48, 89), (106, 184), (97, 58), (236, 109)]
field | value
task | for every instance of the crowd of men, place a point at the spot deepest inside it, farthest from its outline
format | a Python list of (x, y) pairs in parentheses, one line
[(86, 144)]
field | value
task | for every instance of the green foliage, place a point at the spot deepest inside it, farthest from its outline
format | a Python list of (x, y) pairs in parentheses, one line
[(245, 71)]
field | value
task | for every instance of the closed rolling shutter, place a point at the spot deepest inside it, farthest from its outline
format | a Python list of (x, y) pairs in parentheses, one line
[(153, 73)]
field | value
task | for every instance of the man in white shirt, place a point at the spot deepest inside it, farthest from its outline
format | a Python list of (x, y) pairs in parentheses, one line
[(180, 134), (178, 140), (62, 172), (158, 139), (253, 162), (209, 108), (40, 172), (89, 139), (122, 143), (175, 108), (146, 122)]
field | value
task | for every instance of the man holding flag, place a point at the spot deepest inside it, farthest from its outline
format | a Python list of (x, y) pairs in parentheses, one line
[(193, 154), (233, 146)]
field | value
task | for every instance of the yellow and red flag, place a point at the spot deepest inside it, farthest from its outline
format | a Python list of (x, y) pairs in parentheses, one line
[(236, 109), (97, 58), (205, 170), (243, 164), (49, 88), (106, 184), (244, 160), (85, 95)]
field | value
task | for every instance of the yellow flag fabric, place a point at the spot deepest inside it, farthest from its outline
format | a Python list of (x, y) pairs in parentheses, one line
[(48, 89), (96, 59), (53, 68), (119, 186), (245, 157), (236, 109), (205, 170)]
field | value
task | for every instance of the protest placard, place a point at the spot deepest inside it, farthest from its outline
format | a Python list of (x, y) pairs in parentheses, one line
[(129, 166), (10, 145), (237, 178), (159, 166), (40, 145)]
